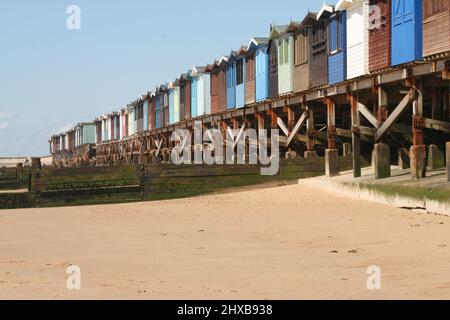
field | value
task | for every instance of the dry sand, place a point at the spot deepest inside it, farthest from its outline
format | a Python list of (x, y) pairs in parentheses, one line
[(292, 242)]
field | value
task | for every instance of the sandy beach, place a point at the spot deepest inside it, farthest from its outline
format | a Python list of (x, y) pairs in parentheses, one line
[(292, 242)]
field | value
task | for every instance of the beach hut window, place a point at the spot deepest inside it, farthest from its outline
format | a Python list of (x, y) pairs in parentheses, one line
[(284, 51), (335, 39), (281, 51), (240, 72)]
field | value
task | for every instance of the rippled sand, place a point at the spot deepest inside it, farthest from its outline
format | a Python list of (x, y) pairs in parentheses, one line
[(291, 242)]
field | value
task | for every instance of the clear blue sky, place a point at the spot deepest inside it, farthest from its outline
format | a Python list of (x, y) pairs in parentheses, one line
[(52, 78)]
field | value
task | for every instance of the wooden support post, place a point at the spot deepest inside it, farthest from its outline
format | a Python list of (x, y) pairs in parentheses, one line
[(310, 127), (446, 71), (291, 117), (331, 121), (418, 150), (382, 112), (381, 161), (356, 136), (273, 119), (436, 159), (261, 121), (381, 152), (331, 154)]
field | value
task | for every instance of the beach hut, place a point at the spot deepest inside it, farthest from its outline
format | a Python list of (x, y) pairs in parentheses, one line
[(436, 27), (218, 85), (200, 92), (273, 68), (151, 111), (379, 35), (111, 125), (174, 102), (158, 109), (98, 130), (131, 120), (139, 105), (337, 47), (77, 136), (159, 106), (357, 12), (162, 106), (318, 43), (231, 80), (115, 126), (118, 126), (84, 133), (107, 128), (54, 144), (285, 46), (185, 96), (145, 109), (259, 48), (121, 135), (71, 139), (124, 122), (62, 140), (249, 79), (301, 32), (406, 31), (240, 77), (165, 105)]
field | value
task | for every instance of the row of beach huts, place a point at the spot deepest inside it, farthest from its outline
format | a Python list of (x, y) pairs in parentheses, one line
[(346, 41)]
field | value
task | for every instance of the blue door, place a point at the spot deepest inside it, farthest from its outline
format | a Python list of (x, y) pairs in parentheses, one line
[(146, 107), (231, 85), (406, 31)]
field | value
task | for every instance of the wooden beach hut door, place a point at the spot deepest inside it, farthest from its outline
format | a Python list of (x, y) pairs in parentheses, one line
[(273, 69), (405, 37), (380, 35)]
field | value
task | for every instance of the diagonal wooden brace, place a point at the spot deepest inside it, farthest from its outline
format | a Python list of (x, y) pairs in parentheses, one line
[(395, 114)]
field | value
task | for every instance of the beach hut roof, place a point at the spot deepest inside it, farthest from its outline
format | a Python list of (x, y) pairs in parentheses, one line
[(344, 4), (198, 70), (256, 42), (173, 84), (277, 30), (325, 11), (222, 60), (310, 18), (242, 51)]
